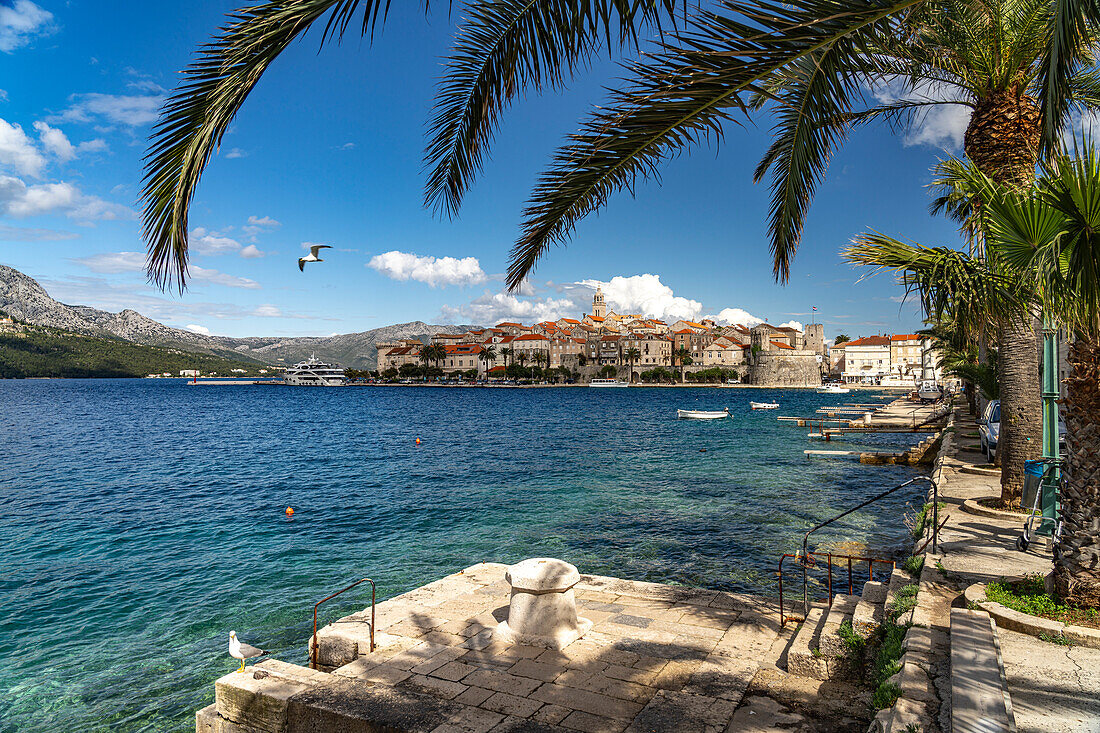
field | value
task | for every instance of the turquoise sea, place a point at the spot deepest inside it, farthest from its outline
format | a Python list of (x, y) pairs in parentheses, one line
[(141, 520)]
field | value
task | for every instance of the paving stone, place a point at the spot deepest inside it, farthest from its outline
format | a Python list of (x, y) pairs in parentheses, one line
[(536, 670), (416, 655), (521, 707), (628, 620), (453, 671), (385, 674), (511, 724), (470, 720), (474, 696), (502, 682), (445, 689), (677, 651), (551, 713), (350, 706), (681, 712), (261, 702), (633, 674), (359, 667), (723, 678), (589, 702), (582, 721), (439, 660), (440, 637), (676, 674)]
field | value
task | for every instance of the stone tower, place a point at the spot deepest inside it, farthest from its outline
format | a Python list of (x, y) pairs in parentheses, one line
[(815, 338), (760, 340), (599, 308)]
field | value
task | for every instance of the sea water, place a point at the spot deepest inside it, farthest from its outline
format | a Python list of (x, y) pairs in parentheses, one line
[(142, 520)]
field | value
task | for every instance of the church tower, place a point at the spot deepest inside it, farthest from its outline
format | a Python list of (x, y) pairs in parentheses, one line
[(599, 308)]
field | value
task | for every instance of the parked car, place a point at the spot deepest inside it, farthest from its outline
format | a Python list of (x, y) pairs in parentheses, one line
[(989, 429)]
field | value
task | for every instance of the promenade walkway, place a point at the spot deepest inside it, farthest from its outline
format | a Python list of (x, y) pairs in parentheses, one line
[(1053, 687)]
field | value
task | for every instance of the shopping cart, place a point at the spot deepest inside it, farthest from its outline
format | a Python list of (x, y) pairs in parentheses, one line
[(1035, 477)]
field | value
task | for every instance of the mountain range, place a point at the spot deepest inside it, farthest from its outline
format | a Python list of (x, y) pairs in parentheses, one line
[(25, 300)]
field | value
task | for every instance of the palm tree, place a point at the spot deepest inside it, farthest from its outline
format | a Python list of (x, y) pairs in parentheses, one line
[(489, 356), (522, 358), (683, 357), (1052, 239), (1021, 65), (506, 352), (427, 356), (632, 355)]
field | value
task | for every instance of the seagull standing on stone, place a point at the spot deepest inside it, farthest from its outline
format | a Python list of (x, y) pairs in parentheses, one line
[(241, 651), (312, 256)]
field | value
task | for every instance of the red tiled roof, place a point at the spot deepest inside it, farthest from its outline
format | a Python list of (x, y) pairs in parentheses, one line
[(496, 369), (596, 318), (869, 341), (531, 337), (570, 320), (781, 345), (685, 330), (462, 349), (905, 337), (506, 323)]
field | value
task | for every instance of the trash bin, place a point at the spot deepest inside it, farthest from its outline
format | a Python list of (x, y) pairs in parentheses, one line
[(1033, 479)]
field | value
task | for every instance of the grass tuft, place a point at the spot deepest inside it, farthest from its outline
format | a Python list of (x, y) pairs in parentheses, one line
[(914, 565), (1029, 596)]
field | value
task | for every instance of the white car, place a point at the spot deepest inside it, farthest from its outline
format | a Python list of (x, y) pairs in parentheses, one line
[(989, 429)]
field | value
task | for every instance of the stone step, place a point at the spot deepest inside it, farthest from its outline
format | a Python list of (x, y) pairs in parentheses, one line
[(898, 580), (979, 692), (869, 611), (801, 657), (842, 609)]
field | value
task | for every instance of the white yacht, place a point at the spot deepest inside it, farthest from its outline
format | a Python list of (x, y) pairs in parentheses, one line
[(608, 383), (314, 373), (833, 389)]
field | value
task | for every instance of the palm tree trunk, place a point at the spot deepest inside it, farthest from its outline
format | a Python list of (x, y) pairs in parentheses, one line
[(1077, 573), (1002, 139), (1021, 407)]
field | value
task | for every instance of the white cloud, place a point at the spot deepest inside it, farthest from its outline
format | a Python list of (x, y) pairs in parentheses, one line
[(20, 21), (732, 316), (3, 95), (793, 324), (196, 328), (492, 308), (263, 221), (92, 146), (114, 262), (24, 234), (236, 153), (647, 295), (346, 146), (202, 274), (941, 126), (18, 151), (20, 200), (121, 109), (211, 244), (252, 252), (55, 142), (267, 310), (434, 271)]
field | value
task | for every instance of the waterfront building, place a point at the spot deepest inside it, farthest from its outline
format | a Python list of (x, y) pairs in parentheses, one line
[(525, 347), (906, 357), (655, 350), (867, 359), (724, 352), (462, 358), (610, 350)]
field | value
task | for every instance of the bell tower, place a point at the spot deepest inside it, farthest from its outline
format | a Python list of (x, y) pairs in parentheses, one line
[(599, 308)]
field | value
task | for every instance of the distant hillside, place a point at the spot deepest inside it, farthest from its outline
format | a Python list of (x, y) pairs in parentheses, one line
[(38, 351), (27, 301)]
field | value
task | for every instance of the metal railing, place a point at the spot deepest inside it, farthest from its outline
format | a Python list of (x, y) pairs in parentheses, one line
[(313, 649), (805, 558), (808, 561)]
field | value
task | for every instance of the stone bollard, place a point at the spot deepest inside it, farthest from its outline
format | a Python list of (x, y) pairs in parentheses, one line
[(543, 607)]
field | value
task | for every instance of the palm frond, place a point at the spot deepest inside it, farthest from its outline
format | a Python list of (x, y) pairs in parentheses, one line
[(503, 48), (680, 97), (197, 114), (1068, 39), (946, 280)]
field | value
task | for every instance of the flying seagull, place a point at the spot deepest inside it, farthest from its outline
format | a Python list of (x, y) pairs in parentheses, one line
[(312, 256), (243, 652)]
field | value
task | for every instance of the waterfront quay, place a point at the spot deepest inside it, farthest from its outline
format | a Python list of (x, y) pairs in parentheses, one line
[(657, 657)]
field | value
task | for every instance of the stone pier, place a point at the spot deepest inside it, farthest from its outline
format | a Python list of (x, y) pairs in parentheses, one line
[(657, 658)]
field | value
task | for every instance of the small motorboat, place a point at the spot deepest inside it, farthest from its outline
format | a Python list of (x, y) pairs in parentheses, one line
[(833, 389), (764, 405), (703, 414)]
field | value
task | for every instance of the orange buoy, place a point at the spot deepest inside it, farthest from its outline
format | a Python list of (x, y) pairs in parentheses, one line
[(290, 511), (418, 441)]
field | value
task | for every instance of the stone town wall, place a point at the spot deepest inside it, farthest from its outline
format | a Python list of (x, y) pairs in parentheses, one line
[(785, 370)]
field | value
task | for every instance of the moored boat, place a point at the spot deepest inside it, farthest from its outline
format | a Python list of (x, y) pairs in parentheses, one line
[(314, 373), (764, 405), (608, 383), (833, 389), (703, 414)]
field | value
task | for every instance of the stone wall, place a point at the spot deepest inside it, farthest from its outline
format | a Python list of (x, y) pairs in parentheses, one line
[(772, 369)]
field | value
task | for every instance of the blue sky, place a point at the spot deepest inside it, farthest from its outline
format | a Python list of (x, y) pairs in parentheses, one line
[(328, 150)]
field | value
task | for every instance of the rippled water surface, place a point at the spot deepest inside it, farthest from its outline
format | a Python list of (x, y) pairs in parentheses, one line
[(141, 520)]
